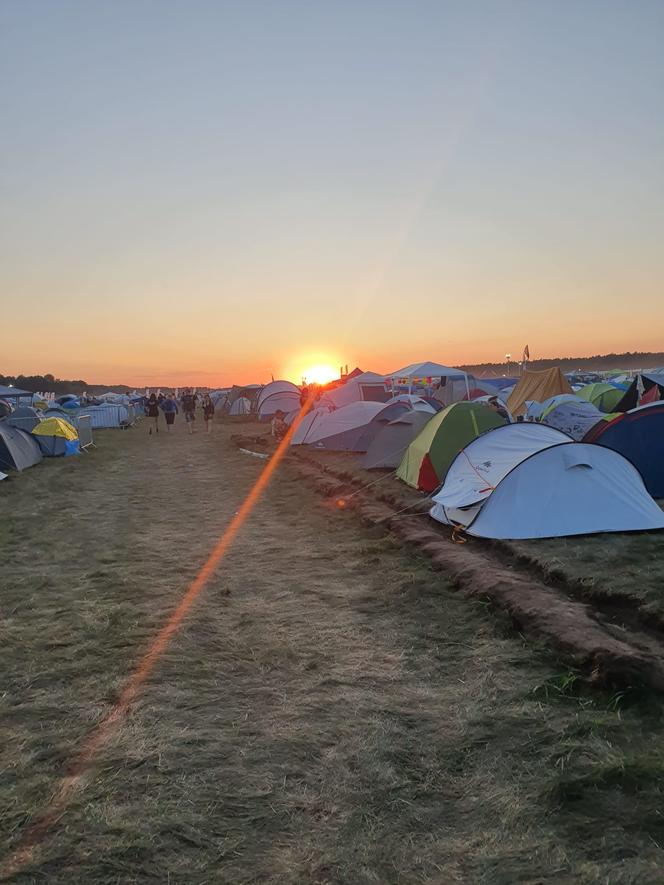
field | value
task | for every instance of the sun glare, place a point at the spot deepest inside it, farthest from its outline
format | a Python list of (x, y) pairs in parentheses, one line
[(320, 374)]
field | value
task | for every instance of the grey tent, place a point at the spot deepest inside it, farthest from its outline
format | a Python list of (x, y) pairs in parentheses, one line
[(25, 418), (389, 445), (18, 449)]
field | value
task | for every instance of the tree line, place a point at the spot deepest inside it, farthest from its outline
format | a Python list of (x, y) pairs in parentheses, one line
[(600, 363), (50, 384)]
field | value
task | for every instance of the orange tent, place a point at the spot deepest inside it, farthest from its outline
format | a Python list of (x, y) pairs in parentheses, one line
[(537, 386)]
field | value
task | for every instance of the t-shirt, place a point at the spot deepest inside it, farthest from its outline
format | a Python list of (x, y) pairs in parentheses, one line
[(188, 403)]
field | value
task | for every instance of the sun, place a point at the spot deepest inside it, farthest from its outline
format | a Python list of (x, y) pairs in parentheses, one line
[(320, 374)]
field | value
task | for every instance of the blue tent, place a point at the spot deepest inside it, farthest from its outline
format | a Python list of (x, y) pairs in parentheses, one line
[(639, 436)]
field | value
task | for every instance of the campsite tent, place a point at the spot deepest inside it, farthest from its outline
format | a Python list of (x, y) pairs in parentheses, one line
[(604, 397), (536, 386), (278, 395), (241, 406), (15, 394), (18, 449), (25, 418), (381, 420), (427, 458), (451, 385), (341, 429), (363, 387), (647, 384), (639, 436), (566, 489), (572, 415), (483, 463), (56, 437), (388, 446)]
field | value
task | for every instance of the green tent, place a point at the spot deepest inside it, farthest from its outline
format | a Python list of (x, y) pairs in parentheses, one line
[(604, 397), (427, 458)]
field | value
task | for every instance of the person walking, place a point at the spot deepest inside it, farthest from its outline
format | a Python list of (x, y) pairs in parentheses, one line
[(152, 412), (189, 409), (170, 409), (208, 412)]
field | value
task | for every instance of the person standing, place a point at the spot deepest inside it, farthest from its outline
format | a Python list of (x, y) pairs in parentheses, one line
[(152, 412), (170, 409), (208, 412), (189, 409)]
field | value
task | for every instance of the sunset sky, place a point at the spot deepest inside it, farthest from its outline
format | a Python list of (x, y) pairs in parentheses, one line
[(211, 192)]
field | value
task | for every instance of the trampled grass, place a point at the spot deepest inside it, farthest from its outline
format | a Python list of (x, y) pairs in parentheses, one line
[(331, 711)]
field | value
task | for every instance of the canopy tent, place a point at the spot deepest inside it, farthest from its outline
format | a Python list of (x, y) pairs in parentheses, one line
[(18, 449), (24, 417), (604, 397), (562, 490), (340, 430), (639, 436), (483, 463), (14, 393), (56, 437), (240, 406), (572, 415), (446, 380), (364, 387), (645, 384), (427, 458), (537, 386), (390, 443)]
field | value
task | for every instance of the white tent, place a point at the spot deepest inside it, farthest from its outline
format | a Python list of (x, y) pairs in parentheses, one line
[(573, 418), (241, 406), (340, 430), (428, 374), (484, 462), (566, 489), (307, 425), (276, 395), (367, 387)]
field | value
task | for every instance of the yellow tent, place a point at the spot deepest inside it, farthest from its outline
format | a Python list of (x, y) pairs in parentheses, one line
[(55, 427), (537, 386)]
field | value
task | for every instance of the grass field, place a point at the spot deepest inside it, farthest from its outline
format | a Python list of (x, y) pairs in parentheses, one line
[(331, 711)]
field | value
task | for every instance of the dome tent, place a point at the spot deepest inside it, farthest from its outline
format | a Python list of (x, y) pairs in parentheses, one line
[(18, 449), (56, 437), (277, 396), (639, 436), (604, 397), (25, 418), (427, 458), (562, 490), (573, 416), (388, 446), (483, 463), (241, 406)]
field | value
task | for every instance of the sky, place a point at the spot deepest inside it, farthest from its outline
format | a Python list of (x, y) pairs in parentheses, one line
[(214, 192)]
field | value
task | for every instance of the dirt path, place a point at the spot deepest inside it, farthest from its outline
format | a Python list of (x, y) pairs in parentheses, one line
[(331, 712)]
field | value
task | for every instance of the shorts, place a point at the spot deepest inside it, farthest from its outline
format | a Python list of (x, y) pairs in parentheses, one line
[(170, 417), (189, 416)]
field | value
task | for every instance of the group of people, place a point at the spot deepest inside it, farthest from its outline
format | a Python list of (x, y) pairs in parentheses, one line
[(168, 404)]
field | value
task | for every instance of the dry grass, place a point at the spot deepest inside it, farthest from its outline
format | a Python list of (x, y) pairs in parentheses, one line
[(332, 712)]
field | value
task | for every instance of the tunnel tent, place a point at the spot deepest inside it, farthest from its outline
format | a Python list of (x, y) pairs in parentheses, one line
[(637, 435), (279, 401), (340, 430), (427, 458), (604, 397), (537, 387), (564, 490), (274, 387), (18, 448), (388, 446)]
